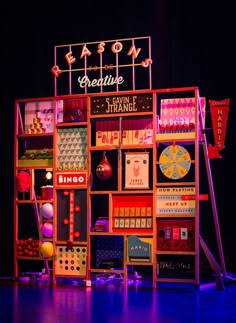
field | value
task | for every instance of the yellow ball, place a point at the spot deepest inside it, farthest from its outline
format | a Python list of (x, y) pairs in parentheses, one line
[(46, 249)]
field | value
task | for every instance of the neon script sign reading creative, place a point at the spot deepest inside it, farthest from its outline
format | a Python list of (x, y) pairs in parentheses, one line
[(102, 66)]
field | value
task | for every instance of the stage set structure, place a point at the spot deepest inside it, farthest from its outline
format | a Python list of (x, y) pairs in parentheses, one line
[(107, 171)]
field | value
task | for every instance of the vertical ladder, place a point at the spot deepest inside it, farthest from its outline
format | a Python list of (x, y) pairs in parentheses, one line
[(35, 205), (212, 261), (37, 215)]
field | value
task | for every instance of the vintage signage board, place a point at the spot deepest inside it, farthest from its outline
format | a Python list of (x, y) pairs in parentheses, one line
[(176, 201), (102, 66), (74, 180), (121, 104), (219, 116)]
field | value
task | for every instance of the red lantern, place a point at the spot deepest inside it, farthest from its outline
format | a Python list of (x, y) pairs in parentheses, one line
[(104, 169)]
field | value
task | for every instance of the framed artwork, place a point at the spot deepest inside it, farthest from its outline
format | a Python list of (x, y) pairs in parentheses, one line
[(136, 170)]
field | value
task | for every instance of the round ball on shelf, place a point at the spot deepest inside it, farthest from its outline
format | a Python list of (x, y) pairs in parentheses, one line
[(47, 211), (47, 229), (46, 249)]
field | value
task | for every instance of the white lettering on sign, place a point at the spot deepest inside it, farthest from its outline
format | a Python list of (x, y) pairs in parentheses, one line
[(65, 179), (85, 81), (121, 104), (79, 59)]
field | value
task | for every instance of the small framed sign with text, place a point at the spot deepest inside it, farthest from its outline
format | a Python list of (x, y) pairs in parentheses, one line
[(136, 170)]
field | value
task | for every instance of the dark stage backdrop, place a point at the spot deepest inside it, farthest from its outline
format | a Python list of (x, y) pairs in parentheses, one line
[(192, 45)]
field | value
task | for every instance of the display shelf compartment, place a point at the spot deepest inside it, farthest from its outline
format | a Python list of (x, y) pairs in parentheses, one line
[(104, 174), (176, 235), (99, 209), (71, 262), (27, 224), (175, 267), (107, 252), (122, 131), (132, 201), (71, 149), (72, 110), (37, 116), (139, 249), (132, 213), (71, 215)]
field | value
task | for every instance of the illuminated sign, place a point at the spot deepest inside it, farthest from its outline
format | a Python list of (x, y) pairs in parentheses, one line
[(104, 66), (219, 115), (121, 104), (72, 179)]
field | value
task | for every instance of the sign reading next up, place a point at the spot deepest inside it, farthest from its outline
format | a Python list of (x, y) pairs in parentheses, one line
[(103, 66)]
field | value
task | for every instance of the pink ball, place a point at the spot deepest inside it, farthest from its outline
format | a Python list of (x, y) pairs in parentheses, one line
[(47, 211), (47, 230)]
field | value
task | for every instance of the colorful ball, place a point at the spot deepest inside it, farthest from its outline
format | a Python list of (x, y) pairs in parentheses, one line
[(47, 211), (47, 230), (46, 249)]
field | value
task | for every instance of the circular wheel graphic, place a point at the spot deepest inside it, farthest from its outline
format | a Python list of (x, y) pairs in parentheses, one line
[(175, 162)]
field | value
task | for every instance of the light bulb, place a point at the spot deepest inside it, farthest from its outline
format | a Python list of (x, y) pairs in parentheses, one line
[(49, 175)]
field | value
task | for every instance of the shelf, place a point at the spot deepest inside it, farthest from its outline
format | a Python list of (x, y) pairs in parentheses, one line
[(175, 184), (139, 263), (175, 280), (36, 135), (104, 271), (105, 234), (33, 201), (174, 215), (71, 124), (109, 172), (167, 252), (74, 243), (183, 136), (33, 258)]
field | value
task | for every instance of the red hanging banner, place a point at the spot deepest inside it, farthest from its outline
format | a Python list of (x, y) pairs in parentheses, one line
[(219, 116)]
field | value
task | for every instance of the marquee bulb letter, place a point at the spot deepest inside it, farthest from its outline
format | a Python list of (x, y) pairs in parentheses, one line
[(101, 48), (147, 62), (133, 51), (69, 58), (85, 52), (56, 71), (116, 47)]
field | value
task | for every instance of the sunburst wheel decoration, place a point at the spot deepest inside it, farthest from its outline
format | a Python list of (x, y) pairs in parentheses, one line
[(175, 162)]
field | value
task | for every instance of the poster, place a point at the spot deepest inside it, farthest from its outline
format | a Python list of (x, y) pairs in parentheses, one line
[(136, 170)]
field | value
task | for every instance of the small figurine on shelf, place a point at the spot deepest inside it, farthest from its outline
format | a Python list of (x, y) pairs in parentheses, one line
[(75, 115)]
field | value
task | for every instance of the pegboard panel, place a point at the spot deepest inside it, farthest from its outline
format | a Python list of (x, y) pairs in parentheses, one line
[(71, 262)]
